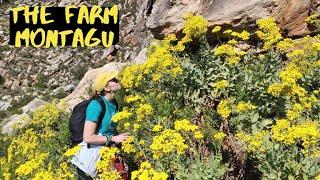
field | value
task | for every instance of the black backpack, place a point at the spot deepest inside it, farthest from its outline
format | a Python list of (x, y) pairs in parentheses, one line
[(78, 117)]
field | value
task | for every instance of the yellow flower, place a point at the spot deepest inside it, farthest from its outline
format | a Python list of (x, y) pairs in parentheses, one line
[(285, 45), (296, 89), (256, 142), (146, 172), (132, 98), (6, 176), (290, 74), (195, 26), (185, 125), (24, 145), (223, 109), (216, 29), (229, 50), (168, 40), (295, 54), (121, 115), (198, 135), (44, 175), (29, 166), (156, 77), (127, 125), (275, 89), (219, 136), (131, 76), (127, 145), (268, 31), (244, 35), (314, 19), (169, 141), (141, 142), (242, 106), (233, 60), (228, 31), (143, 111), (104, 165), (157, 128), (176, 71), (281, 126), (221, 84), (64, 172), (309, 101), (46, 115), (316, 46), (233, 55), (287, 133), (72, 151), (136, 126), (232, 42), (294, 112)]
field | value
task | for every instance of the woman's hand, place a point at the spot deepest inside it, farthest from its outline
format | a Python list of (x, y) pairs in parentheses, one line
[(120, 138)]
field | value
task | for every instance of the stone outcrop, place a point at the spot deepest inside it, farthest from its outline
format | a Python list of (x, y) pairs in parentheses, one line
[(15, 121), (166, 15), (31, 106), (4, 105)]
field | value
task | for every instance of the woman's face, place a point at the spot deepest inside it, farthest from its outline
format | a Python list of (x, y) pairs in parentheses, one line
[(113, 85)]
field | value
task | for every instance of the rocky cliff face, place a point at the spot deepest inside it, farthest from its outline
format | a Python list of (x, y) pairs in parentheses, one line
[(48, 72), (26, 73), (144, 20)]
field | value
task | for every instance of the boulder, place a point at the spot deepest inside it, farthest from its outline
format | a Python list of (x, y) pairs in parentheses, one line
[(4, 105), (15, 85), (142, 57), (7, 82), (6, 97), (107, 52), (68, 88), (31, 106), (166, 15), (15, 121)]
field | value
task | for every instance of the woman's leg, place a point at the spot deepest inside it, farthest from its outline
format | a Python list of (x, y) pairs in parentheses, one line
[(82, 175)]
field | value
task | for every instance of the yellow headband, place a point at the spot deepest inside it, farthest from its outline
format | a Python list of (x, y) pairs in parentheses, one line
[(102, 79)]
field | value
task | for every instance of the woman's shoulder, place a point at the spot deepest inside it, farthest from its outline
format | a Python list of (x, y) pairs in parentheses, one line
[(94, 103)]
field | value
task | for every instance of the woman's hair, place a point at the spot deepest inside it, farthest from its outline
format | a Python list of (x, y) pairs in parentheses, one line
[(96, 94)]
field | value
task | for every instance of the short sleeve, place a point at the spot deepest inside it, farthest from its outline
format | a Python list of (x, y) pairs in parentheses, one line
[(93, 111)]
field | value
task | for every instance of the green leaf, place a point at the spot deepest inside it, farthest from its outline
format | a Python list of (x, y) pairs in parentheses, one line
[(290, 177), (255, 117), (266, 122)]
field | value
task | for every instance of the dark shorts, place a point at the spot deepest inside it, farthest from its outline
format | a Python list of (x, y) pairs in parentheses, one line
[(82, 175)]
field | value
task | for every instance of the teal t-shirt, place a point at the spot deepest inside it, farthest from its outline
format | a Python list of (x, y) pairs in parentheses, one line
[(106, 127)]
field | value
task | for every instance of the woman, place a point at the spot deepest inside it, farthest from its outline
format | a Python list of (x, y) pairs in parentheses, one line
[(105, 86)]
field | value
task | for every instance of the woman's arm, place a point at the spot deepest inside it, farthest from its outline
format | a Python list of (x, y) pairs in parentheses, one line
[(89, 135)]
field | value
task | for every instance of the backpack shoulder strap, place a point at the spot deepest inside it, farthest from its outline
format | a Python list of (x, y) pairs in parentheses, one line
[(115, 103), (103, 106)]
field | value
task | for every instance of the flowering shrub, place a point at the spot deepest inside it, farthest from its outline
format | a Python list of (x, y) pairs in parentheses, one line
[(104, 166), (37, 150), (225, 96), (200, 111)]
